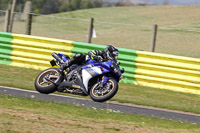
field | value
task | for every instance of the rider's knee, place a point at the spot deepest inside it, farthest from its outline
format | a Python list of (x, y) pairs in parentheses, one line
[(80, 56)]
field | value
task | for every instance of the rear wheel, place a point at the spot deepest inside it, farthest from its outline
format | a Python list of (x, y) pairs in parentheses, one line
[(101, 94), (44, 81)]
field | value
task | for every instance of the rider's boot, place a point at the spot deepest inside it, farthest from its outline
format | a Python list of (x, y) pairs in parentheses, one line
[(77, 59), (67, 64)]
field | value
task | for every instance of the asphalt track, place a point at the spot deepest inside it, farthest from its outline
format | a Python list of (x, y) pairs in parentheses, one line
[(131, 109)]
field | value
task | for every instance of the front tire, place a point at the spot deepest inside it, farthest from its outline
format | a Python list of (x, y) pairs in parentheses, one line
[(107, 93), (42, 85)]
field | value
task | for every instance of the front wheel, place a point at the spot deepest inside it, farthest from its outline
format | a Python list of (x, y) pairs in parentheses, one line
[(104, 93), (44, 81)]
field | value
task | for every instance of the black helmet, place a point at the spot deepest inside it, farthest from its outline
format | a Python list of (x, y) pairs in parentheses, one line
[(111, 52)]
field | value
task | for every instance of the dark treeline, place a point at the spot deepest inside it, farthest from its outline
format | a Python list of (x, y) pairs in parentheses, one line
[(54, 6)]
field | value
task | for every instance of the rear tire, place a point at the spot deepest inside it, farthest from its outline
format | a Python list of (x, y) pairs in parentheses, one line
[(107, 95), (44, 86)]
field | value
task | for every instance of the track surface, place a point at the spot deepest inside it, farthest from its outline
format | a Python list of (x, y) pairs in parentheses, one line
[(148, 111)]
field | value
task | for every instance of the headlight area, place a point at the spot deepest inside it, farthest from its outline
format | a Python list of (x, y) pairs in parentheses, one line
[(122, 70), (112, 67)]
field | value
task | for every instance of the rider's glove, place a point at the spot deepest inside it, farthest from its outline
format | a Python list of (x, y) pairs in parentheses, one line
[(99, 58)]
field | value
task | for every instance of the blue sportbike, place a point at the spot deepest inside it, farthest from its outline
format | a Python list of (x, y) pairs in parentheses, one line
[(94, 78)]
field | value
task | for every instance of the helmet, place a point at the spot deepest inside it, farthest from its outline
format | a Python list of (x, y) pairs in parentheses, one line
[(111, 52)]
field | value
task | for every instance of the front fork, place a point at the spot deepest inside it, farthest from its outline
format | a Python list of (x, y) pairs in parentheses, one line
[(103, 86), (103, 82)]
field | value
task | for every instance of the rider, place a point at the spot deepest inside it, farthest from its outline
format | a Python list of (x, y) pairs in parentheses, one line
[(107, 54)]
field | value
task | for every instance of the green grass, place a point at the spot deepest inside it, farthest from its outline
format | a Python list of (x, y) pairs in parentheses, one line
[(139, 36), (28, 115), (24, 78)]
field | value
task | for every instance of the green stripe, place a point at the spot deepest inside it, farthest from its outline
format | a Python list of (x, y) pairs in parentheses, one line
[(127, 59), (5, 59), (80, 47), (88, 46), (6, 34), (5, 47), (128, 81), (127, 54)]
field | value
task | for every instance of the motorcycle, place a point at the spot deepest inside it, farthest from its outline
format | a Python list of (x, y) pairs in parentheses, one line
[(99, 79)]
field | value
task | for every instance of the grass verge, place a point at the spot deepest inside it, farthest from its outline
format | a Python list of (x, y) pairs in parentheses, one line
[(29, 115), (24, 78)]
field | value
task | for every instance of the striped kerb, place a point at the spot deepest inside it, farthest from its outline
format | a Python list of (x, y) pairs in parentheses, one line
[(35, 52), (168, 72), (142, 68)]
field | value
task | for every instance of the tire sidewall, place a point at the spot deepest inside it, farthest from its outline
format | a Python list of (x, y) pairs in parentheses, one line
[(106, 97), (46, 89)]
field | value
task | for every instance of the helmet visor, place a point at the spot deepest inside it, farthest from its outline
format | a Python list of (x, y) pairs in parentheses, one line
[(115, 54)]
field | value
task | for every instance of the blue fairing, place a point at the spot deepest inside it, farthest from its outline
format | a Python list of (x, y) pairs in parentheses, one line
[(90, 61), (63, 57), (105, 67)]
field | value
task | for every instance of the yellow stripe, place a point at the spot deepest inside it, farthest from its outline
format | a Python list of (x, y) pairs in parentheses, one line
[(168, 57), (168, 75), (31, 55), (41, 39), (177, 83), (168, 87), (33, 43), (168, 60), (168, 69), (45, 46), (35, 52), (31, 66), (168, 63), (29, 61)]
